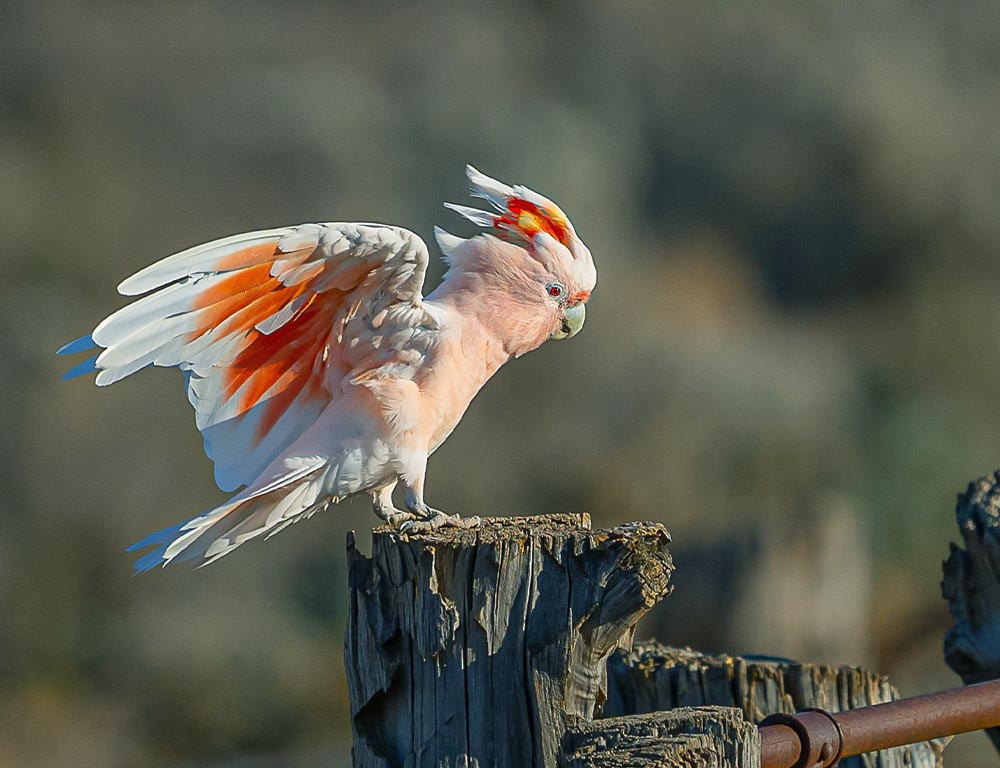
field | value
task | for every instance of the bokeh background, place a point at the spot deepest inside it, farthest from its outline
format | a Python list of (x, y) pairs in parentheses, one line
[(791, 357)]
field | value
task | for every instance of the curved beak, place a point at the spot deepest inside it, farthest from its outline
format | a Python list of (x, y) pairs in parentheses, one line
[(572, 322)]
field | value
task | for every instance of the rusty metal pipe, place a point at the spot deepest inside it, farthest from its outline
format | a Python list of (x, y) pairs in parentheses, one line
[(780, 745), (816, 738)]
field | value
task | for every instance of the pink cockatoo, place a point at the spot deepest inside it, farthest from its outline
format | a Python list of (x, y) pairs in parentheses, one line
[(316, 368)]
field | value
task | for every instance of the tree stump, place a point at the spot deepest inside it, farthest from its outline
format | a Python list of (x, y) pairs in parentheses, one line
[(972, 587), (703, 737), (480, 646), (651, 677)]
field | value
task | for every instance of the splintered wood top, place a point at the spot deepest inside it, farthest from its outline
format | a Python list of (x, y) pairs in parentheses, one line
[(558, 525), (500, 528)]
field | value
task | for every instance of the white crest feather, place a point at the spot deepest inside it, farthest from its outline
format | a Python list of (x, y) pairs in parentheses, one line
[(447, 242), (476, 216), (488, 188)]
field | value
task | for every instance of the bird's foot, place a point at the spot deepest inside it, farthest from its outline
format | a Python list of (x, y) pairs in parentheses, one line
[(428, 519), (436, 519), (398, 518), (387, 512)]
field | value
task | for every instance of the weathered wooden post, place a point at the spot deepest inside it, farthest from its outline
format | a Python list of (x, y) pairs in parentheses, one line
[(489, 646), (479, 647), (972, 587), (650, 677), (701, 737)]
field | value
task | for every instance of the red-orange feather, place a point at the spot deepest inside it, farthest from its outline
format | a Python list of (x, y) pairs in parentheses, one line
[(244, 300), (530, 219)]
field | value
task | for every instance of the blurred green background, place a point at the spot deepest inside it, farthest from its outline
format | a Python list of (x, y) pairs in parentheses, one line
[(791, 357)]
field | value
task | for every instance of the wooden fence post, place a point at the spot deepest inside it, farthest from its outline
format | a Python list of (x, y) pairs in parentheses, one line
[(651, 676), (479, 647), (972, 587), (702, 737)]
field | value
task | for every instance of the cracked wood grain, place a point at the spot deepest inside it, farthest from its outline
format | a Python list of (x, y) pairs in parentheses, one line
[(701, 737), (478, 647), (651, 676)]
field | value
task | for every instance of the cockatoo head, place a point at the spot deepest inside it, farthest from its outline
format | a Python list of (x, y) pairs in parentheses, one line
[(548, 271)]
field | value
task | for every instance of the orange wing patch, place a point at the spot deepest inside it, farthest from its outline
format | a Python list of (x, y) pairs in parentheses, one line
[(280, 364)]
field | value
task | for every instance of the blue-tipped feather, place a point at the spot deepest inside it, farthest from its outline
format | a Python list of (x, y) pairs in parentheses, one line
[(83, 344), (161, 540), (150, 560), (82, 369), (78, 345)]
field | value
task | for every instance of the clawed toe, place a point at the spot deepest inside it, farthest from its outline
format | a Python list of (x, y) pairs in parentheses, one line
[(437, 520), (398, 519)]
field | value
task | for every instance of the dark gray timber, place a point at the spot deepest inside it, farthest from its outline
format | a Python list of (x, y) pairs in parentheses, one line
[(972, 588), (479, 647), (706, 737), (652, 677)]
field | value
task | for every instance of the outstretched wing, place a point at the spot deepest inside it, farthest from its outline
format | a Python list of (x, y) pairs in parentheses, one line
[(256, 322)]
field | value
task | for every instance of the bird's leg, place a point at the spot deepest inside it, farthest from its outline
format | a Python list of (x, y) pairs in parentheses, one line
[(429, 519), (382, 503)]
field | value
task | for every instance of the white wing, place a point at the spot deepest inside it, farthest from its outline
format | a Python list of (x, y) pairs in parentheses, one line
[(257, 323)]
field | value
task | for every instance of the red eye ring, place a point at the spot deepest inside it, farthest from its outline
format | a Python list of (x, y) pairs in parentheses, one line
[(555, 290)]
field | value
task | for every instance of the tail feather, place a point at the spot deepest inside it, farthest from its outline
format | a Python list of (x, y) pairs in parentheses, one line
[(83, 344), (82, 369), (161, 540), (248, 515)]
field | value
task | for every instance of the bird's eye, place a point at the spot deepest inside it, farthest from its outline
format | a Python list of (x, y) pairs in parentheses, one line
[(555, 290)]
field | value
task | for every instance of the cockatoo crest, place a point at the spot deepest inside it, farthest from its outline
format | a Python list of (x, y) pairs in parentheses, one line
[(524, 218)]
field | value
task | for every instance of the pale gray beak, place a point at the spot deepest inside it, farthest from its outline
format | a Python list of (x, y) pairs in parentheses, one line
[(572, 322)]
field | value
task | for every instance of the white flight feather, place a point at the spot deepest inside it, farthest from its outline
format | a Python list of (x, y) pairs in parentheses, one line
[(200, 258)]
